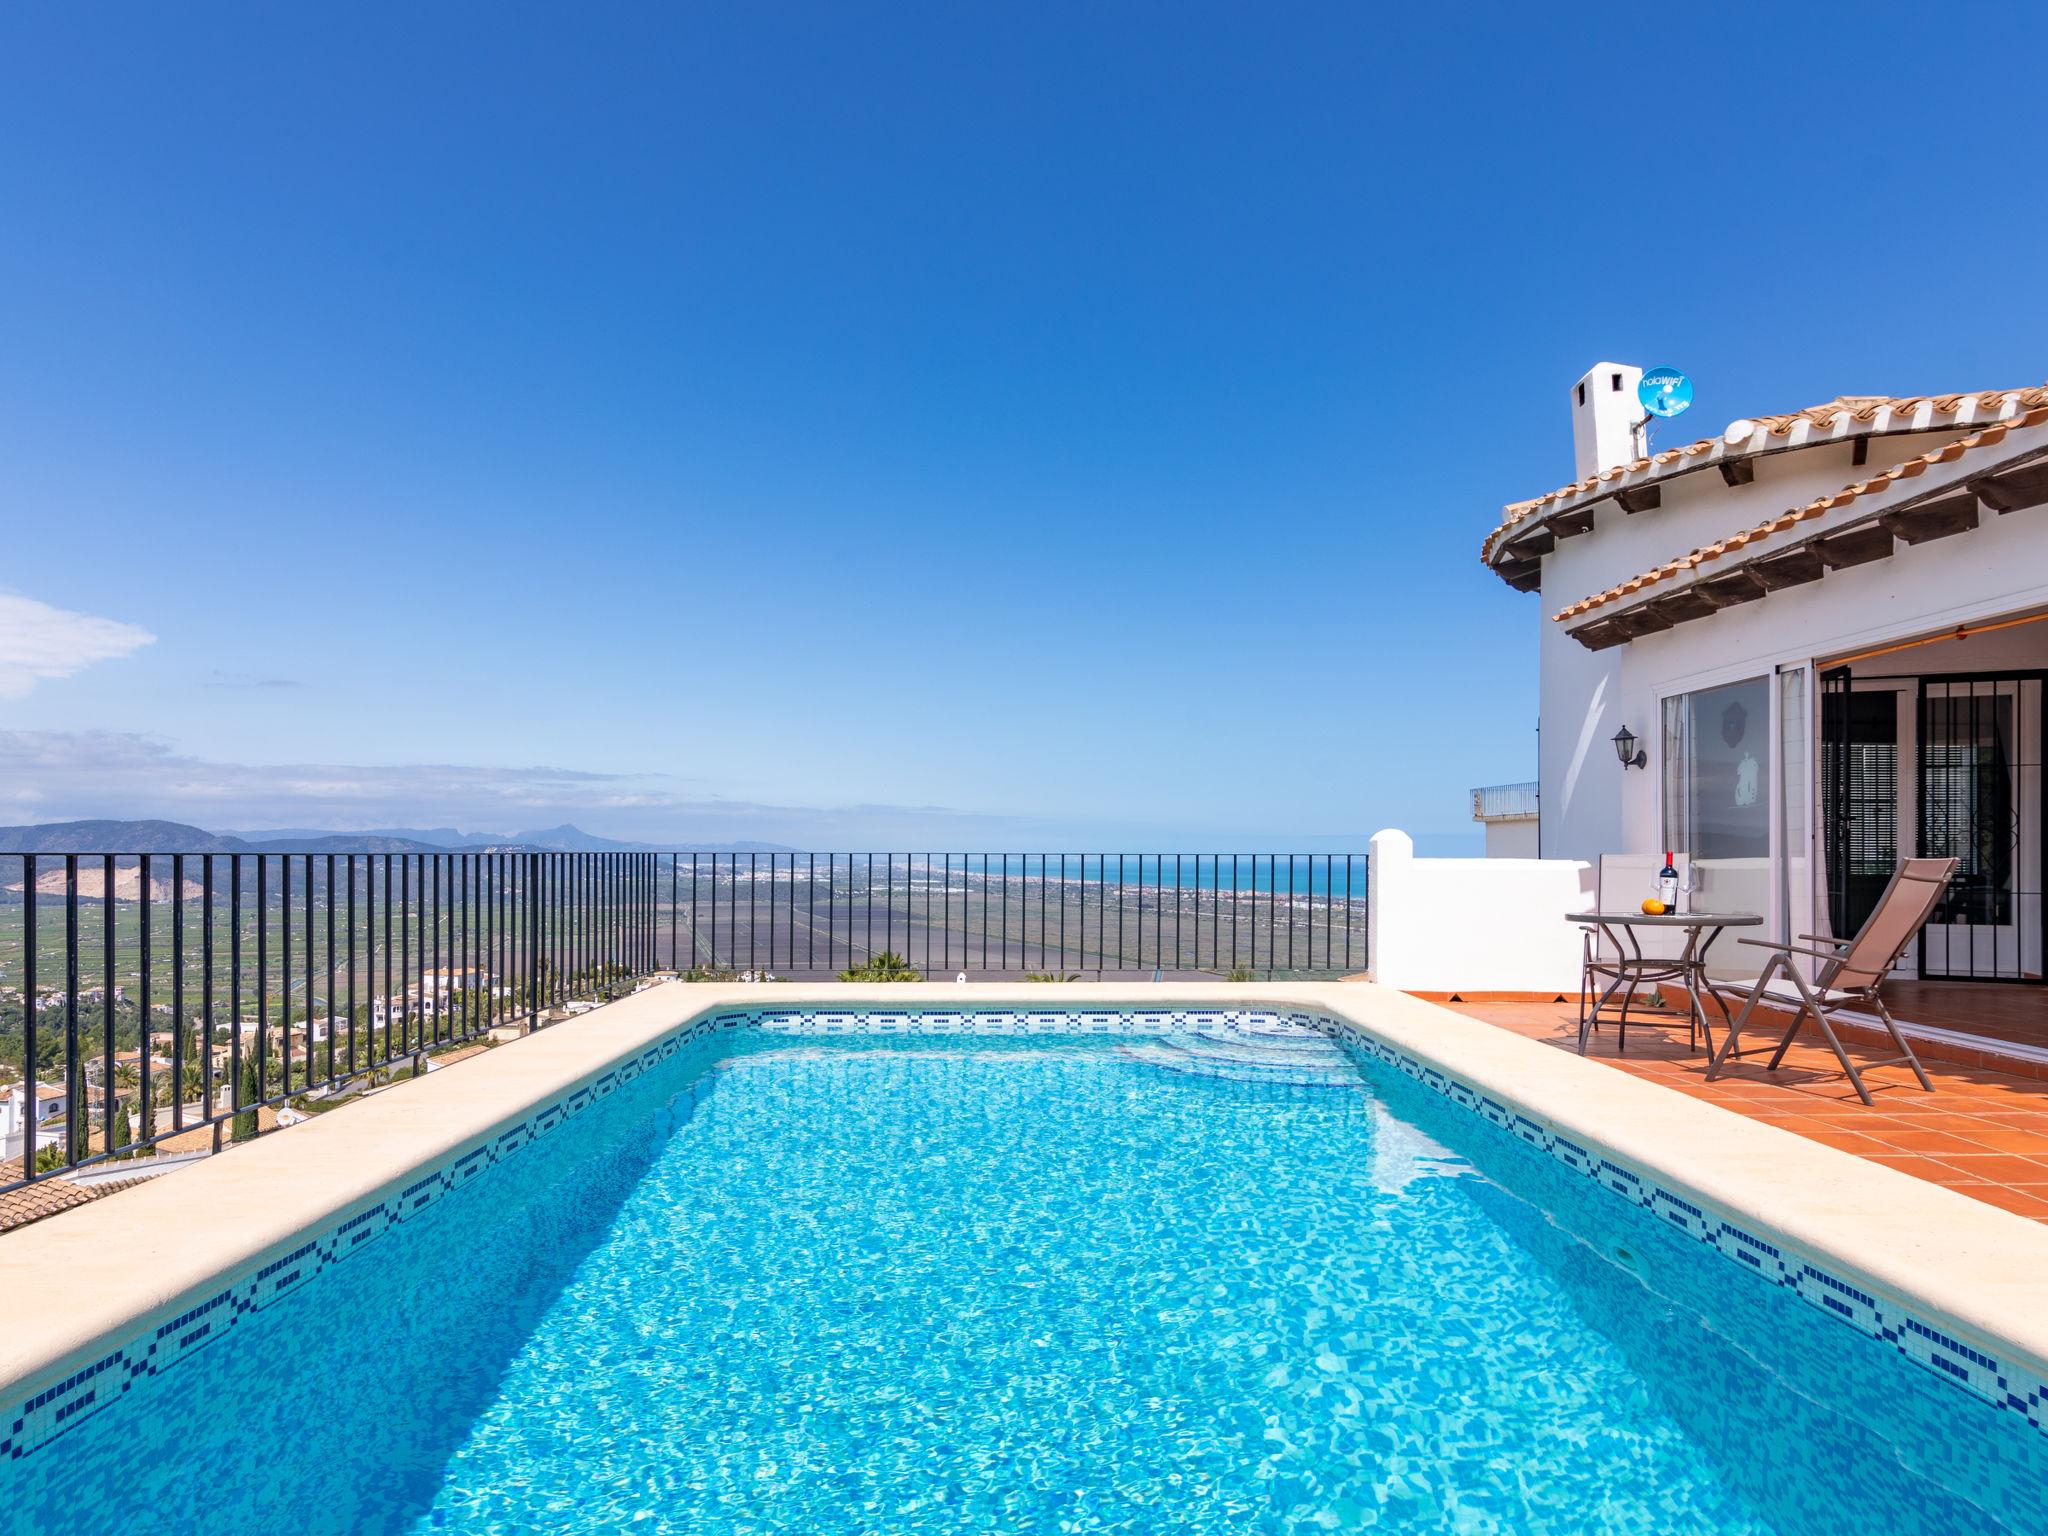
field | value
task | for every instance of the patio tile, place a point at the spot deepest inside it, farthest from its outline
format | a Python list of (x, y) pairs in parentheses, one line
[(1999, 1167), (2025, 1143), (2020, 1201), (1932, 1143), (2012, 1119), (1981, 1132), (1858, 1116), (1933, 1170), (1849, 1141)]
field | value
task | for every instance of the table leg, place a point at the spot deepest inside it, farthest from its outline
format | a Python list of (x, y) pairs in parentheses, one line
[(1591, 1021), (1696, 977), (1635, 967)]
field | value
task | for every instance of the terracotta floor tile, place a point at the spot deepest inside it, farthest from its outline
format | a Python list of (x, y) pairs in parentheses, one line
[(1931, 1169), (1941, 1120), (1878, 1127), (1979, 1124), (1998, 1167), (1900, 1100), (2014, 1119), (2018, 1201), (2003, 1139), (1856, 1117), (1821, 1128), (1932, 1143), (1849, 1141)]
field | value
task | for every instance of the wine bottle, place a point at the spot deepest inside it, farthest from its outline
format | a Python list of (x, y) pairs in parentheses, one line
[(1667, 883)]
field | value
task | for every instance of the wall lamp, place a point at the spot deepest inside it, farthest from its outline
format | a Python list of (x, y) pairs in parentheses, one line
[(1625, 749)]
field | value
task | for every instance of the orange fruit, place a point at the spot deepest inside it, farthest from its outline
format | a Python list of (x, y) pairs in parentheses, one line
[(1652, 907)]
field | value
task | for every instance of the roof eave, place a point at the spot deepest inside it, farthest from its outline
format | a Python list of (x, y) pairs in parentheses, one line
[(1569, 510), (1705, 582)]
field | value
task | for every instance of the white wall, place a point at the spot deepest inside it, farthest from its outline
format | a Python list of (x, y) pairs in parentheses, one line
[(1511, 839), (1474, 925), (1591, 805)]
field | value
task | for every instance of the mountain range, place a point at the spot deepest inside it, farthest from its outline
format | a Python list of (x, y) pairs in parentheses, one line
[(111, 836)]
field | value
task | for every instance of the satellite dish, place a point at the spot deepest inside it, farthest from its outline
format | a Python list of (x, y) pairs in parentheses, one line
[(1664, 391)]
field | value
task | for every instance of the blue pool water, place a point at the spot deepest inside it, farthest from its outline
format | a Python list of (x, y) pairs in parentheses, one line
[(1035, 1285)]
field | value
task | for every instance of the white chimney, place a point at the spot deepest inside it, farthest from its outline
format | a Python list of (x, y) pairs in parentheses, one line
[(1604, 416)]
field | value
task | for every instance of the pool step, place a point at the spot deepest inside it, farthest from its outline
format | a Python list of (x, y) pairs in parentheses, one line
[(1288, 1055)]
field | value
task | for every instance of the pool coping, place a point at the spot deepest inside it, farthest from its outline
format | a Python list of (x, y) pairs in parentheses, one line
[(75, 1284)]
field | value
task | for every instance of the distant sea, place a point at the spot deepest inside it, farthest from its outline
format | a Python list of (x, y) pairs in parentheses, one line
[(1304, 875)]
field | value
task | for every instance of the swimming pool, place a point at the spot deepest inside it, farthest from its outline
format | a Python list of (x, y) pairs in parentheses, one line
[(1060, 1273)]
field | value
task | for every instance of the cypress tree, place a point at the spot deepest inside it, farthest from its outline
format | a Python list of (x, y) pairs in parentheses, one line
[(145, 1119), (244, 1126), (79, 1132)]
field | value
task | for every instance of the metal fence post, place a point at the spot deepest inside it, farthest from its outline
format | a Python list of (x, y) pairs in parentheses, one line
[(532, 944)]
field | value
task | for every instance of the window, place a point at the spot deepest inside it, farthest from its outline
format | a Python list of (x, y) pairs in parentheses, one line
[(1615, 382), (1717, 802)]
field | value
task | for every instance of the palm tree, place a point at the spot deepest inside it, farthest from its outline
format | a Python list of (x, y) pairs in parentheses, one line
[(885, 966)]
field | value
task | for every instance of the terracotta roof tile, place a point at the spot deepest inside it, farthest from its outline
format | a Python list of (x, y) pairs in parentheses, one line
[(1910, 469), (46, 1197), (1755, 434)]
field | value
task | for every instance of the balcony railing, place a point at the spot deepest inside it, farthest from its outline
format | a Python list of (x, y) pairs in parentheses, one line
[(213, 992), (1504, 802)]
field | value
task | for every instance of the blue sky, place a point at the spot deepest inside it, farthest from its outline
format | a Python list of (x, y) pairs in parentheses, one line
[(865, 426)]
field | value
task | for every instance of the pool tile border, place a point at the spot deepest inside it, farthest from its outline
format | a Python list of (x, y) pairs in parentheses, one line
[(2002, 1384), (28, 1424)]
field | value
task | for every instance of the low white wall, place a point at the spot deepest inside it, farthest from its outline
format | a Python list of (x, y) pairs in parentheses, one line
[(1474, 925)]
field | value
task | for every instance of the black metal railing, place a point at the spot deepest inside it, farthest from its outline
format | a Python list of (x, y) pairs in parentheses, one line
[(157, 1003), (166, 1001), (804, 915)]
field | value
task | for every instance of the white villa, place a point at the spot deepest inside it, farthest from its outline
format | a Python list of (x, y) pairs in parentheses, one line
[(14, 1114), (1827, 634)]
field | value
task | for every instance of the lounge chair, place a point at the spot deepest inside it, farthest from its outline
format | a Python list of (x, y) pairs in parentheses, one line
[(1849, 974)]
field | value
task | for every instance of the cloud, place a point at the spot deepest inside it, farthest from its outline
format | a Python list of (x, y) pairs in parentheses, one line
[(220, 679), (78, 775), (38, 642)]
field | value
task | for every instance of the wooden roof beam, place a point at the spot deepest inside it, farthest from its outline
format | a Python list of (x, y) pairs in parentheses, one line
[(1741, 585), (1789, 569), (1854, 546), (1600, 635), (1933, 520), (1682, 605), (2013, 490), (1641, 498), (1522, 575), (1533, 545), (1641, 620)]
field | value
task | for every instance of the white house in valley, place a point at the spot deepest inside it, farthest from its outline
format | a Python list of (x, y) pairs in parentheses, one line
[(1826, 632), (15, 1115)]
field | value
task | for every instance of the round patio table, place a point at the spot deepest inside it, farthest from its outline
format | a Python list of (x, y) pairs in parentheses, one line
[(1631, 968)]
